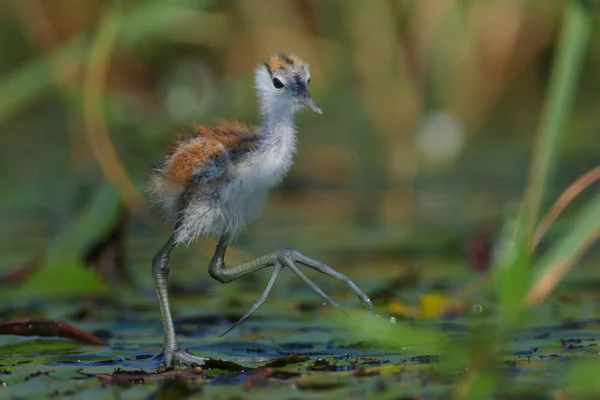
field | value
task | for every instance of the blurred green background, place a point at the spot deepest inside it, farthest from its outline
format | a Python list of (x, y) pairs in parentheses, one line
[(431, 110), (430, 107)]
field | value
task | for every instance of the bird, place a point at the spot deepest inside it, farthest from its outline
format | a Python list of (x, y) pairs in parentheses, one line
[(215, 180)]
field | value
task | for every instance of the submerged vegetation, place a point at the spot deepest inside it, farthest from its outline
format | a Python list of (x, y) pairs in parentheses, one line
[(433, 113)]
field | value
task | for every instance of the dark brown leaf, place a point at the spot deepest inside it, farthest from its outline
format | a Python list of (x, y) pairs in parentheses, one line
[(47, 327), (214, 363), (127, 378), (283, 361)]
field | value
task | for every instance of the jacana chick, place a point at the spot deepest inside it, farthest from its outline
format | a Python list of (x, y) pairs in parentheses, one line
[(215, 180)]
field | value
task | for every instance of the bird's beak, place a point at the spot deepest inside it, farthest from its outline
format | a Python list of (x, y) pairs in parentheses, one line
[(306, 98)]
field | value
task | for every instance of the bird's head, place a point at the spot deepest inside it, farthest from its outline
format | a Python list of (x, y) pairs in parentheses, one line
[(282, 85)]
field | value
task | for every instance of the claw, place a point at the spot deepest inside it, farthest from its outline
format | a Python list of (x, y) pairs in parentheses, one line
[(172, 355), (158, 353), (276, 270), (179, 356)]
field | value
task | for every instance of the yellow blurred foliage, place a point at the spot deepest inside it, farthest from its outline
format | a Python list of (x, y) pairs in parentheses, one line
[(431, 305)]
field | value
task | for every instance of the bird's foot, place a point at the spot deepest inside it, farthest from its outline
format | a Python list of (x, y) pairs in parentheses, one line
[(173, 355), (288, 257)]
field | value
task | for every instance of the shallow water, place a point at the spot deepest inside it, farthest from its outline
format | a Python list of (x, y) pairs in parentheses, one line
[(292, 322)]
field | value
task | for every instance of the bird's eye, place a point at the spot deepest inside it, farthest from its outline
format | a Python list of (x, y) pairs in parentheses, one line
[(277, 83), (308, 82)]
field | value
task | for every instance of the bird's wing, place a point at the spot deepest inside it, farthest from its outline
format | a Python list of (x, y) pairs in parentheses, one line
[(211, 170), (234, 136), (205, 155)]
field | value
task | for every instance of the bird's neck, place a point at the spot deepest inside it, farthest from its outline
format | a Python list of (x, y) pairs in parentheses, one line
[(277, 146), (277, 128)]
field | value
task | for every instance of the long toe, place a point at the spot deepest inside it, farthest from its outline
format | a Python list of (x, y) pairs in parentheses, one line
[(159, 353), (175, 356), (188, 359)]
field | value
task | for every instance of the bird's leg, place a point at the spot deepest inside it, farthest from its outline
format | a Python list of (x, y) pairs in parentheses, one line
[(286, 257), (160, 271)]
